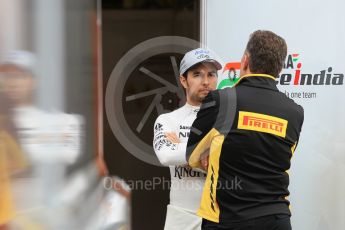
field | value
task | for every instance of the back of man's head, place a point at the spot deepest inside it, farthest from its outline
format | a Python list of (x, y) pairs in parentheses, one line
[(267, 52)]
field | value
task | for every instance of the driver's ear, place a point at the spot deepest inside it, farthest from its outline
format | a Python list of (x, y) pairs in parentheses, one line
[(183, 81), (245, 61)]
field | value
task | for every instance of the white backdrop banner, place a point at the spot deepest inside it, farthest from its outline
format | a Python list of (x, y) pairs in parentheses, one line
[(313, 76)]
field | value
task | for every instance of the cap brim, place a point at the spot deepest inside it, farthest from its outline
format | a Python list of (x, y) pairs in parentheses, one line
[(213, 61), (216, 63)]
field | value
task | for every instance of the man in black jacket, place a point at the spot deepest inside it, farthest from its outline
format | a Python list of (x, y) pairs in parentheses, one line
[(251, 132)]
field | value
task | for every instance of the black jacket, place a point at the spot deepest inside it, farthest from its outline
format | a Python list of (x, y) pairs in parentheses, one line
[(251, 132)]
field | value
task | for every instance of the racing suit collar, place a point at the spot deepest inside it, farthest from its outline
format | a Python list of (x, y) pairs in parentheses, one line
[(192, 107)]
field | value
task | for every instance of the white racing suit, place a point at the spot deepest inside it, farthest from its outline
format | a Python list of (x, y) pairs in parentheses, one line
[(186, 184)]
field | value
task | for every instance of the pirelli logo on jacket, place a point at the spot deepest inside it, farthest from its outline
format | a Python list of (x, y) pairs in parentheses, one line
[(262, 123)]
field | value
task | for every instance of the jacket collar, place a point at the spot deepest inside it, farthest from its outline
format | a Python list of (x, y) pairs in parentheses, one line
[(258, 80)]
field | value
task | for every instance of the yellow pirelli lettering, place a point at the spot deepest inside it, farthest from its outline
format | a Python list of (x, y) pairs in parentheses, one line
[(262, 123)]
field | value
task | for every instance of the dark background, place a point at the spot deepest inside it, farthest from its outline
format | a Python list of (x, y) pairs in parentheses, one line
[(125, 24)]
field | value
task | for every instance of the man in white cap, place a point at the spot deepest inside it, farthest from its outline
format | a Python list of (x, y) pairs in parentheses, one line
[(198, 76), (19, 84)]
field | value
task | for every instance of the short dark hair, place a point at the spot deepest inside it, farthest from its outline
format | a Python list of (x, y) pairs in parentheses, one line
[(267, 52)]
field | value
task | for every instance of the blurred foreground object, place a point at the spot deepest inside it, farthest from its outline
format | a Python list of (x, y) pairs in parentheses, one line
[(47, 194), (11, 159)]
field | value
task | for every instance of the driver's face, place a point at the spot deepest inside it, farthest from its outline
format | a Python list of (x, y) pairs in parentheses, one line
[(200, 81), (18, 85)]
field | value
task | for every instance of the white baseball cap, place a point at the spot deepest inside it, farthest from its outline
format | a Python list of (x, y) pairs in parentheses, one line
[(196, 56), (20, 58)]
